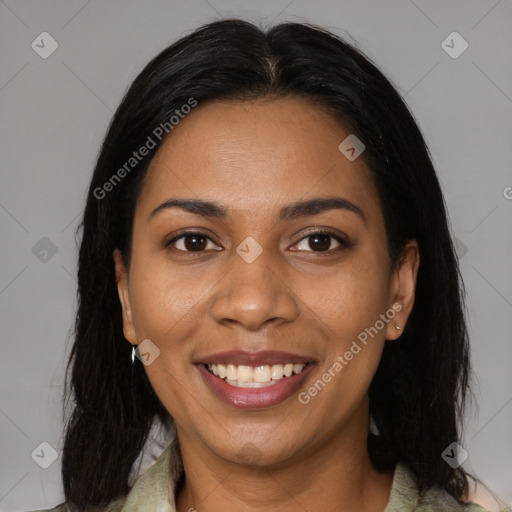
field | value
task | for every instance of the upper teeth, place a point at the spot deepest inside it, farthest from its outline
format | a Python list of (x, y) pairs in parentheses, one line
[(258, 374)]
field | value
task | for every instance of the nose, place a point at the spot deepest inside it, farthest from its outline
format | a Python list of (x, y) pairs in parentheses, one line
[(255, 294)]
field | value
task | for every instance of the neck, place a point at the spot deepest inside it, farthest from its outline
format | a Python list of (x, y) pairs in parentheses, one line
[(332, 475)]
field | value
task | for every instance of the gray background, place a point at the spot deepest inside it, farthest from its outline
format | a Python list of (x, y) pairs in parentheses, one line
[(55, 112)]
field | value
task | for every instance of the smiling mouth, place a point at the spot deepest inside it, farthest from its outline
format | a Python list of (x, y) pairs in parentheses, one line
[(243, 376)]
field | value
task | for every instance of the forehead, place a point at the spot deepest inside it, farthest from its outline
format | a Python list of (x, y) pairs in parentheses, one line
[(255, 157)]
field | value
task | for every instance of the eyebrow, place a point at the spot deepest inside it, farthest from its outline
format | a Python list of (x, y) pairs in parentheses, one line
[(304, 208)]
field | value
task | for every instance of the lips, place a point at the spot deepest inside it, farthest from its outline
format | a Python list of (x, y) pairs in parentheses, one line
[(254, 397)]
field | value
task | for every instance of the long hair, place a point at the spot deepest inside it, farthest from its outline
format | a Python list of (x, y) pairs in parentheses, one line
[(418, 394)]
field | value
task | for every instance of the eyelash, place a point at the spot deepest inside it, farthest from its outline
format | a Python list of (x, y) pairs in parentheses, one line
[(344, 243)]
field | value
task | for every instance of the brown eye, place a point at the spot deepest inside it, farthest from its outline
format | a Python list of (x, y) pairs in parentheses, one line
[(320, 241), (191, 241)]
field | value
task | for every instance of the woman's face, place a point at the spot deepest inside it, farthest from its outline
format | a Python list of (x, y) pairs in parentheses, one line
[(257, 279)]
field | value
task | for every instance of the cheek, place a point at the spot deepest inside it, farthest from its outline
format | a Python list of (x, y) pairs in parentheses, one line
[(350, 298), (350, 304), (165, 308), (354, 347), (163, 298)]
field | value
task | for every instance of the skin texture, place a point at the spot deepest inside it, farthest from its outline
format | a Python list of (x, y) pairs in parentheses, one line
[(254, 158)]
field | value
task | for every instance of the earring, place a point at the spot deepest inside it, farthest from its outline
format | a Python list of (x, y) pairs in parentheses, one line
[(398, 328), (133, 354)]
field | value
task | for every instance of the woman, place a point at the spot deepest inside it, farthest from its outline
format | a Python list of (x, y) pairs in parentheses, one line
[(265, 225)]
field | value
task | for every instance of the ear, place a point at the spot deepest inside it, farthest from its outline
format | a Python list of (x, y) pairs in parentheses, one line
[(403, 289), (124, 297)]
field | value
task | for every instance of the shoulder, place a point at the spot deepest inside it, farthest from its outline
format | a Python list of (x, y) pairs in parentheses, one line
[(439, 499), (149, 488), (405, 496)]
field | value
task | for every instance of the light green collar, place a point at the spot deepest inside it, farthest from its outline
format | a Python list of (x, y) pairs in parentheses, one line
[(155, 490)]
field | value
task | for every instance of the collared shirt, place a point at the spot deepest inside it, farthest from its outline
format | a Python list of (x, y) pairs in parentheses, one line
[(154, 491)]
